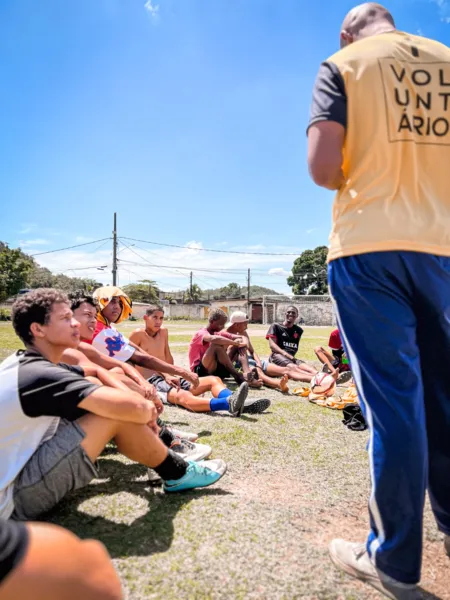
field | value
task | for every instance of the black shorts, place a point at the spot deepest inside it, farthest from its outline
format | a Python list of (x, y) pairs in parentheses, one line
[(221, 371), (283, 361)]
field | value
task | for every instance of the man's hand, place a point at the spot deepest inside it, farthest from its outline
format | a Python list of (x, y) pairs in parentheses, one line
[(240, 342), (173, 381), (152, 423), (149, 390), (191, 377)]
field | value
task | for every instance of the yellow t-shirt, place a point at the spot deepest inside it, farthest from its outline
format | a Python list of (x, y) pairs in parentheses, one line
[(391, 92)]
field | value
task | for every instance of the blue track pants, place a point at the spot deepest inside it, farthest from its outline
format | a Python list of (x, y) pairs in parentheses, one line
[(393, 311)]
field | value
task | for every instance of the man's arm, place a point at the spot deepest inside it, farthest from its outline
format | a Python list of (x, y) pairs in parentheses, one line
[(142, 359), (46, 389), (275, 349), (327, 125), (118, 405), (109, 363), (221, 340), (50, 563)]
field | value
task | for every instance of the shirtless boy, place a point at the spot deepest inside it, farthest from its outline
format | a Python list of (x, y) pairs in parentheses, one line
[(154, 340)]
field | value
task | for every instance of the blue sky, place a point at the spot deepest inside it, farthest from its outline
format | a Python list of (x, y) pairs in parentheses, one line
[(187, 117)]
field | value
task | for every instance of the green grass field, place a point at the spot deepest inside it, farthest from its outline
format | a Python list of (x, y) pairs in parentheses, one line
[(297, 477)]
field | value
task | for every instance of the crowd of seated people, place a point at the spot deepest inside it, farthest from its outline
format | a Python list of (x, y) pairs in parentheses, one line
[(78, 384)]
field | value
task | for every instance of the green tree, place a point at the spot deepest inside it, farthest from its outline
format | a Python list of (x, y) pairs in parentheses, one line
[(40, 277), (144, 291), (15, 267), (232, 290), (193, 295), (309, 273)]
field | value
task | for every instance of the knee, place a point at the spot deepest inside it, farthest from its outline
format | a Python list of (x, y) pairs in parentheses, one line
[(104, 579), (216, 380)]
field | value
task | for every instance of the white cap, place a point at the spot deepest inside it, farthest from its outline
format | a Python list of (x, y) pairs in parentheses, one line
[(237, 317)]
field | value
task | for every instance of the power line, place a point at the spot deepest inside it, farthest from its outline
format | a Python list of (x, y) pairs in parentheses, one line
[(214, 250), (70, 247)]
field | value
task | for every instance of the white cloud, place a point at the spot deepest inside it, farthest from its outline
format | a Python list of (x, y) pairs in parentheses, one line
[(279, 271), (152, 9), (80, 239), (309, 231), (210, 269), (27, 228), (33, 243)]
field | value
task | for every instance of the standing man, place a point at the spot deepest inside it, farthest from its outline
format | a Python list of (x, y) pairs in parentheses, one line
[(379, 134)]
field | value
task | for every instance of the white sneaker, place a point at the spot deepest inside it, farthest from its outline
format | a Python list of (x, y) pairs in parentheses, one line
[(184, 435), (190, 451), (355, 561)]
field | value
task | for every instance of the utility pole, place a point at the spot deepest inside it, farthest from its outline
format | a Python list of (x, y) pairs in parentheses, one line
[(114, 264), (248, 294), (190, 286)]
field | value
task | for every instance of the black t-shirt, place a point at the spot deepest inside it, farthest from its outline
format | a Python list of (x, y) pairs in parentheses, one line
[(13, 545), (287, 338)]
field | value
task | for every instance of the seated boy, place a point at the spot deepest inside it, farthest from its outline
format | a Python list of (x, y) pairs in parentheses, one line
[(154, 339), (335, 362), (247, 359), (114, 307), (284, 340), (208, 349), (56, 422)]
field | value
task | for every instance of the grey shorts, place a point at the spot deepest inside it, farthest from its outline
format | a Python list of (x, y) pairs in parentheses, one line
[(163, 388), (58, 466)]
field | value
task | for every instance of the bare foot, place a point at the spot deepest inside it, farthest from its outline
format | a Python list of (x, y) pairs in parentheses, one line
[(284, 386)]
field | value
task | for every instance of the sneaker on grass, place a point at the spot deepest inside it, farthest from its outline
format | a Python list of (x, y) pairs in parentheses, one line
[(256, 406), (189, 450), (344, 377), (237, 399), (355, 561), (198, 474), (183, 435)]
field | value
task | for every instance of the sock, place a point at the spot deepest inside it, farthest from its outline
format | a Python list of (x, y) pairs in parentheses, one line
[(226, 393), (219, 403), (166, 436), (172, 467)]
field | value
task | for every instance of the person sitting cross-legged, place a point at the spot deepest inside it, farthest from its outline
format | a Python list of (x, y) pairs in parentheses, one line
[(154, 339), (56, 422), (284, 340)]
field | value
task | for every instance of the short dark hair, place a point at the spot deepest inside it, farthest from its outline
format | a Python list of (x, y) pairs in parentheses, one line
[(34, 307), (216, 313), (76, 299), (292, 306), (152, 308)]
